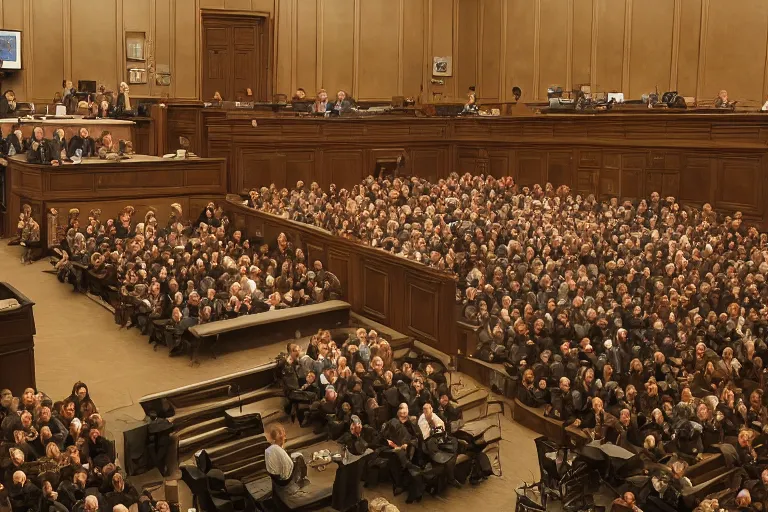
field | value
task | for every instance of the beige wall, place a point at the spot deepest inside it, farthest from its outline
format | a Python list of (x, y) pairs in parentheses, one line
[(84, 40), (379, 48)]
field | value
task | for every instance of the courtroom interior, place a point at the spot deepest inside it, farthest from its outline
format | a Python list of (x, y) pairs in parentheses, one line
[(383, 255)]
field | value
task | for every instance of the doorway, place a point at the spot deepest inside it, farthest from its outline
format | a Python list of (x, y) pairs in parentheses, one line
[(235, 56)]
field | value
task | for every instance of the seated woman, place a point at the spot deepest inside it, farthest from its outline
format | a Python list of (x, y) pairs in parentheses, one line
[(321, 104), (288, 472)]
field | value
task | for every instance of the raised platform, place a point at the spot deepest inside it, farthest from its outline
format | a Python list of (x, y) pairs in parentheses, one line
[(141, 181)]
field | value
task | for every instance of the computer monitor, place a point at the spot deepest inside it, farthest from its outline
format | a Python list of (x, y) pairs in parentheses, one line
[(87, 86)]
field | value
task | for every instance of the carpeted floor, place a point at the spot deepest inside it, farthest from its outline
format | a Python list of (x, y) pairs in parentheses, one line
[(77, 339)]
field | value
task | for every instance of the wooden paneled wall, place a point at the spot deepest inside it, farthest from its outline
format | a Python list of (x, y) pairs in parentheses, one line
[(85, 40), (379, 48)]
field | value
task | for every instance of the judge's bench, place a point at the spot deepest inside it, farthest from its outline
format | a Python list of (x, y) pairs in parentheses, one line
[(699, 157)]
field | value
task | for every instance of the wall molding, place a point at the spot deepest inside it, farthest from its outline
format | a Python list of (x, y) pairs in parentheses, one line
[(536, 49)]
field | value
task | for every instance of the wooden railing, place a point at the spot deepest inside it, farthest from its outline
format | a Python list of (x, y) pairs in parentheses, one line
[(402, 294)]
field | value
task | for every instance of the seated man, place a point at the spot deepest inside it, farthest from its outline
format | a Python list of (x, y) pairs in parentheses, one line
[(23, 494), (402, 438), (287, 471), (84, 142), (40, 149), (325, 411), (353, 440), (440, 448)]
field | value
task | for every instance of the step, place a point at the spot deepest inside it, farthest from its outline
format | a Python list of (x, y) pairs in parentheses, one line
[(192, 415), (197, 429)]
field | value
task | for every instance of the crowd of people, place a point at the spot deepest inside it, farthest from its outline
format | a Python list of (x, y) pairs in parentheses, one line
[(56, 457), (642, 321), (354, 389), (167, 277)]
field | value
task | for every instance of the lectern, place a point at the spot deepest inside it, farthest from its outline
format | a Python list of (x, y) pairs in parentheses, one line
[(17, 343)]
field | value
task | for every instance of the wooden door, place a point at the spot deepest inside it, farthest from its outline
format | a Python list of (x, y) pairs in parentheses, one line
[(216, 59), (235, 57)]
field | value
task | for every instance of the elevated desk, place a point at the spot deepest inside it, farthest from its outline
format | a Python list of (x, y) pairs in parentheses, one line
[(717, 158), (141, 181), (121, 129), (139, 130)]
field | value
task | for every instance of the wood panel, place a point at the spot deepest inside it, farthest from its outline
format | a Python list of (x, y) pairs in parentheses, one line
[(581, 42), (47, 36), (466, 65), (609, 45), (489, 72), (650, 57), (379, 61), (337, 45), (520, 47), (343, 167), (552, 45), (743, 35), (687, 64), (305, 71), (739, 184), (86, 61), (413, 47)]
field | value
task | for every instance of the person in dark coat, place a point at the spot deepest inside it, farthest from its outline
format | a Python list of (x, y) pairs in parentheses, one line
[(8, 104), (84, 142)]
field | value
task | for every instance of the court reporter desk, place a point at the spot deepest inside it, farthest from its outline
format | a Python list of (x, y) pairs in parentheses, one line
[(140, 181), (698, 157)]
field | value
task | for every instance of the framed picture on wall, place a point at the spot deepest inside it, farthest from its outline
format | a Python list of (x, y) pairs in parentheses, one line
[(442, 66)]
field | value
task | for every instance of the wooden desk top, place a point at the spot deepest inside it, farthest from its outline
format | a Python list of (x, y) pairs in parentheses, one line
[(76, 120), (132, 160)]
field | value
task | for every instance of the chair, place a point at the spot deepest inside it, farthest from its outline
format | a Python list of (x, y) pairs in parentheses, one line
[(197, 481), (203, 461)]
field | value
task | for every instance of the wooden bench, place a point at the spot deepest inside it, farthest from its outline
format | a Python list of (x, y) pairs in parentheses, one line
[(282, 322)]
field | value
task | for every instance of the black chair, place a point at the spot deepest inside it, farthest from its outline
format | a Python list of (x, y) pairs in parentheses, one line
[(203, 461), (197, 481)]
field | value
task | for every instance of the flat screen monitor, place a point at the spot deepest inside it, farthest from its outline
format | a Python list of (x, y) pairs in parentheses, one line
[(10, 49), (88, 86)]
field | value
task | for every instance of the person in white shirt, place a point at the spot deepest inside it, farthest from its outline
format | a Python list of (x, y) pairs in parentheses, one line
[(283, 468), (441, 448)]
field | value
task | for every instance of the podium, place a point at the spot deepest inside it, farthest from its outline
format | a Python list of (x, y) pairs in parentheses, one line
[(348, 484), (17, 344)]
